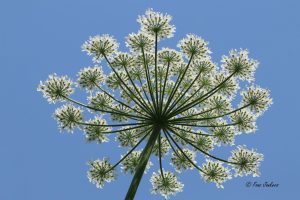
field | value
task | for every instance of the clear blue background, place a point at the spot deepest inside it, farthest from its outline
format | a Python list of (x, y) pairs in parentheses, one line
[(41, 37)]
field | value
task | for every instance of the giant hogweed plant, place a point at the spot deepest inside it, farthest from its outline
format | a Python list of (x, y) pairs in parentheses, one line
[(161, 101)]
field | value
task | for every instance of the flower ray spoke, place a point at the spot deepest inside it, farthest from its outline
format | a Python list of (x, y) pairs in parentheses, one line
[(146, 95), (110, 125), (164, 87), (174, 112), (182, 95), (131, 150), (135, 99), (148, 80), (209, 135), (122, 103), (159, 157), (205, 126), (136, 89), (191, 143), (155, 65), (208, 118), (125, 129), (106, 111), (176, 86), (200, 99), (180, 149)]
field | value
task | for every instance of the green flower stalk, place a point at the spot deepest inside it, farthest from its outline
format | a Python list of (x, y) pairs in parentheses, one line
[(166, 104)]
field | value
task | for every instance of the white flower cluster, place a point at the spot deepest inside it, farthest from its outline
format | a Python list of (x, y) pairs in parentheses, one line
[(96, 131), (239, 64), (119, 117), (115, 81), (56, 88), (246, 161), (220, 104), (165, 185), (164, 147), (127, 138), (226, 88), (182, 160), (223, 135), (202, 141), (100, 101), (101, 172), (139, 41), (215, 172), (90, 77), (244, 120), (100, 46), (68, 117), (123, 60), (195, 46), (257, 98), (156, 23), (169, 56)]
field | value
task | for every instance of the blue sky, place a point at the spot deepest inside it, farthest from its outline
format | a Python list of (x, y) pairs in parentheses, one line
[(41, 37)]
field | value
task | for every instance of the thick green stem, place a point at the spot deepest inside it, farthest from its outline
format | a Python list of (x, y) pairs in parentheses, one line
[(144, 158)]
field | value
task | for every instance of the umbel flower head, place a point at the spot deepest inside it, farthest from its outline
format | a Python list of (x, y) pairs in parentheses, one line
[(89, 77), (165, 185), (156, 24), (172, 105), (68, 117), (100, 172), (246, 161), (215, 172), (100, 47), (56, 88)]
